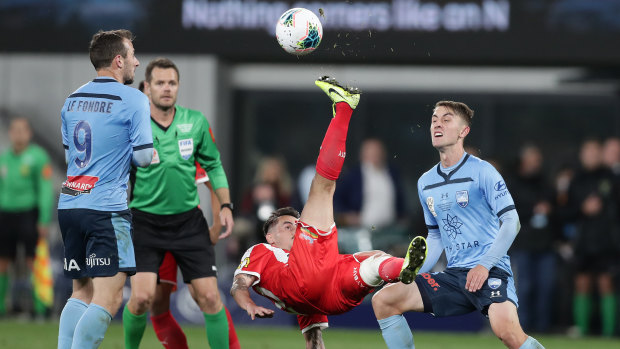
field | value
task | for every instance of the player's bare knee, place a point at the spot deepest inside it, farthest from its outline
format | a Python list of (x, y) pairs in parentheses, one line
[(141, 301), (377, 301), (208, 300), (508, 331), (382, 306), (115, 305)]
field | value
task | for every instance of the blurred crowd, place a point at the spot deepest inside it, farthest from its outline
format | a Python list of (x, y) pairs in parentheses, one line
[(565, 257)]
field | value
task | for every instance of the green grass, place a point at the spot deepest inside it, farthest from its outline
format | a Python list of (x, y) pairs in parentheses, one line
[(16, 335)]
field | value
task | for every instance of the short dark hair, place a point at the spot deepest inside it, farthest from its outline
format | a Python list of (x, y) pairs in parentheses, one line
[(284, 211), (105, 45), (141, 86), (459, 108), (160, 62)]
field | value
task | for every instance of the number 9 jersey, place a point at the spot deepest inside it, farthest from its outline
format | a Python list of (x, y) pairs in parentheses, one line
[(103, 122)]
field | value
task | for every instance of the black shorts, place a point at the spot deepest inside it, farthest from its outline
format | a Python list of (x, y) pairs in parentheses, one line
[(444, 293), (604, 262), (18, 228), (185, 235), (97, 243)]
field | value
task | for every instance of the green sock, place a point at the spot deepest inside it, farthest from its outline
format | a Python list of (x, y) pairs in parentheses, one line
[(4, 286), (39, 307), (582, 305), (217, 329), (133, 327), (608, 314)]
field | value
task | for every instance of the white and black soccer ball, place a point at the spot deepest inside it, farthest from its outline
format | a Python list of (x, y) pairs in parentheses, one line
[(299, 31)]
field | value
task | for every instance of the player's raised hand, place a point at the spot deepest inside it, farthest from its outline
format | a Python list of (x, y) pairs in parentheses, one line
[(258, 311), (476, 278)]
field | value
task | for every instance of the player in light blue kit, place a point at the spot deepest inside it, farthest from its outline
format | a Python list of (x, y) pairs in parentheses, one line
[(471, 216), (105, 125)]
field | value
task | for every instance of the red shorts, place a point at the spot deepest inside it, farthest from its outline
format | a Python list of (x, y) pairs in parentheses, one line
[(330, 281), (168, 271)]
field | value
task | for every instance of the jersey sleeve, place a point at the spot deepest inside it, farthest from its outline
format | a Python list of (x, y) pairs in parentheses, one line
[(429, 219), (208, 156), (140, 133), (495, 190), (307, 322), (254, 261)]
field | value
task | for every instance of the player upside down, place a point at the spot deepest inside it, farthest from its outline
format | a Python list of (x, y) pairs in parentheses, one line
[(299, 268)]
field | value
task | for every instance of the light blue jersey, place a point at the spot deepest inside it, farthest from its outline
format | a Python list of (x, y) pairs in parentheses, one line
[(464, 203), (103, 123)]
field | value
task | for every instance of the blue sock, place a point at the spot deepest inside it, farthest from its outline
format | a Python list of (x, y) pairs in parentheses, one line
[(396, 332), (91, 328), (531, 343), (71, 314)]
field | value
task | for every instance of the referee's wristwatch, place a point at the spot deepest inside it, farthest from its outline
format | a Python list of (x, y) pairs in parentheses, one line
[(229, 205)]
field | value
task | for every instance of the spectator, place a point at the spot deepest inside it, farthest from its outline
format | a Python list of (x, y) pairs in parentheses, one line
[(270, 171), (611, 155), (271, 188), (565, 226), (532, 251), (370, 194), (592, 203)]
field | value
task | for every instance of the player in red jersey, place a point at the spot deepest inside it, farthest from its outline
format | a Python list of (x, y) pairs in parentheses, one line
[(299, 268)]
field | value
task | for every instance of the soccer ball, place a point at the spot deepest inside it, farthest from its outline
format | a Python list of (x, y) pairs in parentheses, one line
[(299, 31)]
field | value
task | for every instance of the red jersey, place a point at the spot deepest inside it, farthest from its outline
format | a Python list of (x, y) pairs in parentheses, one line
[(312, 278)]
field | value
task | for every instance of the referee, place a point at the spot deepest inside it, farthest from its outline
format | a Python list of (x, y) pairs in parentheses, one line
[(165, 209)]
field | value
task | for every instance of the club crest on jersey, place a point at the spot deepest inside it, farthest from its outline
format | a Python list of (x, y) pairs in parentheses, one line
[(430, 202), (186, 148), (462, 198), (494, 283)]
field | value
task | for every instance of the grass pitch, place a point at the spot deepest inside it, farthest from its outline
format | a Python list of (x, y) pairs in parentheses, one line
[(18, 335)]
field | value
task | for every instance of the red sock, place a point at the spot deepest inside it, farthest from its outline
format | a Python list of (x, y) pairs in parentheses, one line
[(333, 149), (389, 269), (168, 331), (233, 341)]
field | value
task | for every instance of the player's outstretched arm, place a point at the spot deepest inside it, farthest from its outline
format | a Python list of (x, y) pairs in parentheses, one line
[(314, 338), (240, 291)]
